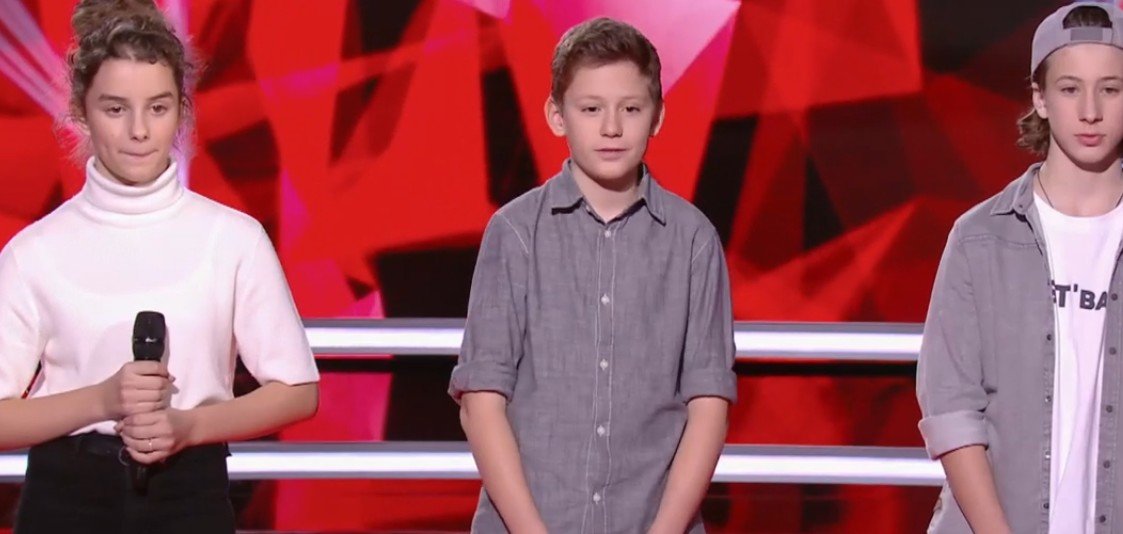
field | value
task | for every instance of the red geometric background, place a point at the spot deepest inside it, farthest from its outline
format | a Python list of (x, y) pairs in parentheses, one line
[(831, 143)]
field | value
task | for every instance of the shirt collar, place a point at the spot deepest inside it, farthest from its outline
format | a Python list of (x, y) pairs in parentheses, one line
[(1018, 195), (563, 195)]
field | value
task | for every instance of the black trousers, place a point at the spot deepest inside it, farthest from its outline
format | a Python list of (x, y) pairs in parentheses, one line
[(83, 484)]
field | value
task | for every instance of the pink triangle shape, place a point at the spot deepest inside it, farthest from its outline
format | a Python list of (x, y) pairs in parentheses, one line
[(679, 29)]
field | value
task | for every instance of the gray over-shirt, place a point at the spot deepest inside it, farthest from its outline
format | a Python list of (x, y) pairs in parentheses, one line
[(985, 375)]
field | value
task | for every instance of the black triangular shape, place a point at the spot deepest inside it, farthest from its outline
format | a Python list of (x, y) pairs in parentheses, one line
[(359, 289), (510, 158), (382, 24), (821, 222), (253, 178), (380, 27), (954, 32), (724, 166)]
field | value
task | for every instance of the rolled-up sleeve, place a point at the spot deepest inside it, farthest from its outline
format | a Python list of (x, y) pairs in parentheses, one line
[(707, 368), (493, 332), (949, 376)]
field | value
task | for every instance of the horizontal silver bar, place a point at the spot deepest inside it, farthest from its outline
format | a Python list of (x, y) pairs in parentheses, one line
[(899, 466), (871, 342)]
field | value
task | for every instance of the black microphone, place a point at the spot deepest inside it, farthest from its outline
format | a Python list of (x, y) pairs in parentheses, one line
[(149, 331)]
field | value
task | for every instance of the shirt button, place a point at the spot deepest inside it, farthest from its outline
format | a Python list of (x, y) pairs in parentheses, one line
[(1109, 408), (600, 432), (608, 233), (1048, 399), (1115, 296), (1047, 455), (1046, 506), (596, 497), (604, 299), (1048, 337), (1112, 351), (1107, 464), (604, 365), (1103, 519)]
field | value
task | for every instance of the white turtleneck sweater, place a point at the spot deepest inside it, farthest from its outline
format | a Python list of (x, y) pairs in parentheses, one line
[(72, 283)]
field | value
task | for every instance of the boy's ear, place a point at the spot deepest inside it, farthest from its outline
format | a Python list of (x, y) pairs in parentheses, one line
[(658, 124), (554, 117), (1039, 101)]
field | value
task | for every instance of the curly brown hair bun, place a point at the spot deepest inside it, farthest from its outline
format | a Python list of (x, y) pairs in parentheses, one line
[(124, 29)]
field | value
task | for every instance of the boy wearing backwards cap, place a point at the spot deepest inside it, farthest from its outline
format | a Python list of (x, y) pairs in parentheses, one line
[(1020, 371)]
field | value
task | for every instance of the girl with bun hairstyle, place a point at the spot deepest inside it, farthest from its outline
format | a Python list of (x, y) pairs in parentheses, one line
[(118, 445)]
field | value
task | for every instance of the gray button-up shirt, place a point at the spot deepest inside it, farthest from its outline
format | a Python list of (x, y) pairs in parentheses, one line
[(598, 333), (985, 375)]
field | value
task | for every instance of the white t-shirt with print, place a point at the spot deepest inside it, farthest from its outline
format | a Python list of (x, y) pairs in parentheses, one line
[(1082, 253)]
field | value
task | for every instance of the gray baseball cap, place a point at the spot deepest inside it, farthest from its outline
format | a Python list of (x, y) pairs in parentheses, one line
[(1051, 34)]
